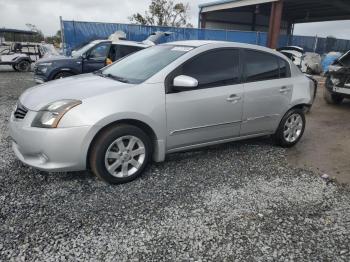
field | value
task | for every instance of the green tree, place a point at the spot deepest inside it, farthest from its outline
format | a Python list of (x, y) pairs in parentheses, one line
[(55, 39), (164, 13)]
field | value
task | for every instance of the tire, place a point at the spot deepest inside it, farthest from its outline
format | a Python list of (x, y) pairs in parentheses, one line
[(331, 98), (15, 68), (291, 128), (22, 66), (116, 142), (62, 75)]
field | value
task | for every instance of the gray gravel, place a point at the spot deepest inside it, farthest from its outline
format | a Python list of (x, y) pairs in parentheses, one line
[(236, 202)]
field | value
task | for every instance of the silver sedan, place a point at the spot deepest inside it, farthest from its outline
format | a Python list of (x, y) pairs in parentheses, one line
[(168, 98)]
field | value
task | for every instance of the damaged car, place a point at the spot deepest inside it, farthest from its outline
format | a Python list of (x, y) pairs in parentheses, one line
[(338, 80), (308, 62)]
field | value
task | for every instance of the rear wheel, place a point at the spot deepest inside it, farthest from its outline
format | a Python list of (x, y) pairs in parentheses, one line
[(291, 128), (62, 75), (120, 154), (14, 68), (332, 98), (22, 66)]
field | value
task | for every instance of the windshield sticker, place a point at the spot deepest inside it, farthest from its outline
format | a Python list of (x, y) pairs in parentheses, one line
[(182, 48)]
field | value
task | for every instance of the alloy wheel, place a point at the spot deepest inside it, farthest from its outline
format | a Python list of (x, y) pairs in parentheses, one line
[(125, 156), (293, 128)]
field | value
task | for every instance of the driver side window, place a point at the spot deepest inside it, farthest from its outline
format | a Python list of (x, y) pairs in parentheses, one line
[(214, 68), (99, 52)]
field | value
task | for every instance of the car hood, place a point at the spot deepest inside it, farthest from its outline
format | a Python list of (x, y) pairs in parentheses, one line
[(344, 59), (56, 59), (77, 87)]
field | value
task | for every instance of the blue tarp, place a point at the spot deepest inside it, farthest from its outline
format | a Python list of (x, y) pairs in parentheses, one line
[(77, 34), (329, 59)]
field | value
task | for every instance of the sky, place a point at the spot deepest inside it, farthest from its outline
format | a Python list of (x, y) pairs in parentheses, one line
[(45, 15)]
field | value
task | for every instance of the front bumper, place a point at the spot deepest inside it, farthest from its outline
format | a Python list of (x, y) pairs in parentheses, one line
[(39, 77), (39, 80), (57, 149)]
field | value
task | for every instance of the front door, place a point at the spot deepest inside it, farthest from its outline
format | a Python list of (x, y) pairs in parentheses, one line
[(213, 110), (267, 92), (96, 58)]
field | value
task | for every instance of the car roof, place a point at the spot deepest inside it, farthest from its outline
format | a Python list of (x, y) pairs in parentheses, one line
[(121, 42), (198, 43), (130, 43)]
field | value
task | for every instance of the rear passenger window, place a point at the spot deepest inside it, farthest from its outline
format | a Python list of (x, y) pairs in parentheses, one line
[(260, 66), (119, 51), (214, 68), (284, 68)]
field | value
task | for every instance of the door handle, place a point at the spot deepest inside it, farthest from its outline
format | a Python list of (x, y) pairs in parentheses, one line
[(285, 89), (233, 98)]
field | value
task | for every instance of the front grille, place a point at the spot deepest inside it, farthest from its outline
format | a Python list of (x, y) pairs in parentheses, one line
[(20, 111)]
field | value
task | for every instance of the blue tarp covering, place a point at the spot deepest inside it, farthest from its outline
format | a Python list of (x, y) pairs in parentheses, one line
[(77, 34), (329, 59)]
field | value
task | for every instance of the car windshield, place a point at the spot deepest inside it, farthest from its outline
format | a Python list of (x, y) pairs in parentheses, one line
[(140, 66), (79, 52)]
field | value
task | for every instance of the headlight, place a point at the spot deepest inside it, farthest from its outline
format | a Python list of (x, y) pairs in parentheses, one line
[(43, 69), (50, 115)]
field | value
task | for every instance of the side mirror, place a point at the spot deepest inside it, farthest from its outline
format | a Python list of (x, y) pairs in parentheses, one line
[(84, 56), (182, 83)]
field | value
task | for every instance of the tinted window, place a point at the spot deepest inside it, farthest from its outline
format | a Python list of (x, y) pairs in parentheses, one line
[(284, 68), (99, 51), (124, 50), (260, 66), (214, 68)]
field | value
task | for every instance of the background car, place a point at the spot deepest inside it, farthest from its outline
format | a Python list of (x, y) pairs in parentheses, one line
[(90, 57), (21, 55), (337, 86), (167, 98)]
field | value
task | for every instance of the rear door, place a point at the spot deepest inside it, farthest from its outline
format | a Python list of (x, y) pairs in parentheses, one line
[(268, 91), (213, 110)]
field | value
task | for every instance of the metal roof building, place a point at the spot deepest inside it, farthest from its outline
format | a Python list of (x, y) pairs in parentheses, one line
[(273, 16)]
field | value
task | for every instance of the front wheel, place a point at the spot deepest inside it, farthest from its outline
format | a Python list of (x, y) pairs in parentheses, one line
[(291, 128), (62, 75), (332, 98), (120, 154)]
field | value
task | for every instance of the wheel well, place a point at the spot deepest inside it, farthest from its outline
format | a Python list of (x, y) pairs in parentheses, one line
[(23, 59), (62, 71), (304, 107), (144, 127)]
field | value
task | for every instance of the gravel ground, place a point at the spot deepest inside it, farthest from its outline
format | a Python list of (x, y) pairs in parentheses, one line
[(236, 202)]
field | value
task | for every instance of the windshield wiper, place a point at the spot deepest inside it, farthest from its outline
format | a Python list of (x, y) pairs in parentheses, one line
[(118, 78)]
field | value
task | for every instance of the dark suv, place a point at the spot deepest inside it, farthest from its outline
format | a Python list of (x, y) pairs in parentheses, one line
[(88, 58)]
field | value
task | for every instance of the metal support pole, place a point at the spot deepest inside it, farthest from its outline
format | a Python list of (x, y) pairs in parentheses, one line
[(275, 23), (202, 20), (315, 43), (272, 16), (62, 35), (254, 20)]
